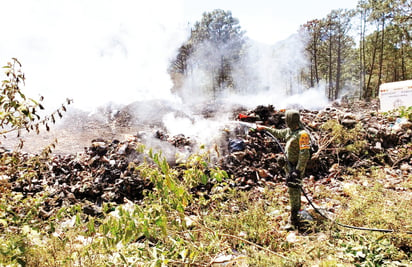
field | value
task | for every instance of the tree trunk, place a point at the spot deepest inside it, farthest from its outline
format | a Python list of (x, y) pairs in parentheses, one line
[(330, 65), (312, 83), (315, 58), (403, 68), (362, 56), (338, 67), (381, 57), (372, 66)]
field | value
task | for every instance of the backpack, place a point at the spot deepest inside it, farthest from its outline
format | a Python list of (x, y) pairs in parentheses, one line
[(314, 147)]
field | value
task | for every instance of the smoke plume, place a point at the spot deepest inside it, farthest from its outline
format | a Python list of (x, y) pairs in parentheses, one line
[(116, 54), (93, 51), (265, 74)]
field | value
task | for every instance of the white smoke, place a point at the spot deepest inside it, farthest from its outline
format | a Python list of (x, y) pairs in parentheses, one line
[(266, 74), (93, 51), (101, 51), (104, 51), (204, 131)]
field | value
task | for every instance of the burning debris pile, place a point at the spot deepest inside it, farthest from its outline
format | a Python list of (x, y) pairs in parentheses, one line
[(101, 174), (345, 138)]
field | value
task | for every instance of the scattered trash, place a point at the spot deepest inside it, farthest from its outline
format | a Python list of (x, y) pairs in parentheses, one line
[(261, 161), (101, 173), (236, 145)]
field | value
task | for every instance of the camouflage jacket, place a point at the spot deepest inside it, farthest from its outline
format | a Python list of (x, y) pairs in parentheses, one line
[(297, 146)]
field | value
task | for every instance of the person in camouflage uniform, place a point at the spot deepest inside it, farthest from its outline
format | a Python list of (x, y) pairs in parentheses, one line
[(297, 151)]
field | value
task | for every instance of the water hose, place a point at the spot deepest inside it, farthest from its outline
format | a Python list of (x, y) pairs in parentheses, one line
[(345, 225), (319, 212)]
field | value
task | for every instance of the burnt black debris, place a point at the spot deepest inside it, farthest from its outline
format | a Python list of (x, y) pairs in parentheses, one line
[(385, 141), (101, 173)]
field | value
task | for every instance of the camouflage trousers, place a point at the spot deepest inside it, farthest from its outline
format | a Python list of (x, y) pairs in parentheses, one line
[(294, 202), (294, 195)]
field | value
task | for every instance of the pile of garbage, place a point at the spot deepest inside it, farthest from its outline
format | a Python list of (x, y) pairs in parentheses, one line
[(102, 173), (381, 140)]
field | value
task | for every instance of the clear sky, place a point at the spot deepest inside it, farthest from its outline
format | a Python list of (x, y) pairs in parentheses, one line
[(88, 49)]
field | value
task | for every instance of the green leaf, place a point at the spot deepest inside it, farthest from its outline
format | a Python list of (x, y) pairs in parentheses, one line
[(90, 226), (128, 235), (165, 166), (105, 228), (159, 221), (123, 258), (204, 179), (78, 220), (180, 208)]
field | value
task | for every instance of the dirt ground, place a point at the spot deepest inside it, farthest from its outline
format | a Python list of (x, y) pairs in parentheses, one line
[(70, 140), (73, 135)]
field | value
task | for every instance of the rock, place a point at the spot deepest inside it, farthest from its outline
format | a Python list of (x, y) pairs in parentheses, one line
[(407, 125), (349, 123), (304, 215), (291, 237), (378, 147), (122, 149), (373, 131), (263, 173), (240, 155), (349, 116), (405, 167), (99, 147), (230, 261)]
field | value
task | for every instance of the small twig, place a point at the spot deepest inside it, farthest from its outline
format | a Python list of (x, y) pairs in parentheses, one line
[(323, 144), (10, 130), (182, 263), (212, 261), (399, 160)]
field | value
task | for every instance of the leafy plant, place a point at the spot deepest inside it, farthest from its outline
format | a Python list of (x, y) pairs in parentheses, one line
[(244, 227), (351, 140), (405, 112), (17, 111), (20, 215), (198, 170), (402, 112)]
